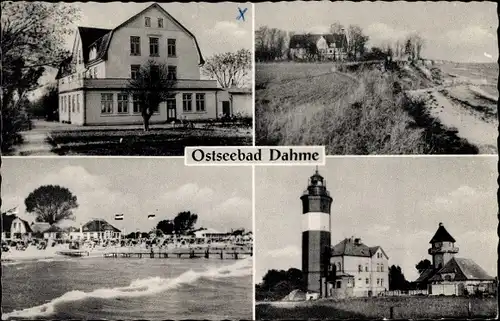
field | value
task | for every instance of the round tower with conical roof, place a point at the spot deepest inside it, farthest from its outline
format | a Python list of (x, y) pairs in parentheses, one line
[(442, 247), (316, 243)]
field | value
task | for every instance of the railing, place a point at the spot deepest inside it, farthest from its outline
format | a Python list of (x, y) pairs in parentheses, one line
[(443, 250)]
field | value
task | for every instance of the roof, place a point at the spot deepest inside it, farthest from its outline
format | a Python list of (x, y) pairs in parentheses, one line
[(98, 226), (301, 41), (464, 269), (103, 41), (211, 231), (26, 224), (53, 229), (242, 91), (442, 235), (7, 221), (89, 35), (40, 226), (348, 247), (426, 275)]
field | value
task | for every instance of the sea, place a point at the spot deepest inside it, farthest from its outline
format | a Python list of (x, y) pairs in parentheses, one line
[(127, 288)]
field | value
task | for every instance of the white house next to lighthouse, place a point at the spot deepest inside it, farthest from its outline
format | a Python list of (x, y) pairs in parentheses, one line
[(93, 80)]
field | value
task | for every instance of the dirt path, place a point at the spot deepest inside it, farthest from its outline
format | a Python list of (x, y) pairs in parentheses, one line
[(470, 126)]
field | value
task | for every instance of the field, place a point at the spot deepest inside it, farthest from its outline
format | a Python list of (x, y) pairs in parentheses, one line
[(417, 307), (363, 111)]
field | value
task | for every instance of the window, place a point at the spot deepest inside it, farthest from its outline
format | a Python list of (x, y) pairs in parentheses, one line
[(360, 268), (155, 72), (106, 103), (61, 104), (95, 72), (187, 102), (172, 72), (134, 71), (171, 47), (339, 266), (378, 268), (147, 21), (73, 103), (135, 46), (136, 104), (381, 268), (367, 281), (160, 22), (153, 47), (69, 103), (200, 102), (122, 103), (381, 282), (378, 281)]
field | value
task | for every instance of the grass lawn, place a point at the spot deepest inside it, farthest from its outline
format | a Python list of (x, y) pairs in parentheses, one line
[(416, 307), (136, 142)]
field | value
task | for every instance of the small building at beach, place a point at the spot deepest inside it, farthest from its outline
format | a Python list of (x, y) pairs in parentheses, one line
[(99, 229), (450, 275)]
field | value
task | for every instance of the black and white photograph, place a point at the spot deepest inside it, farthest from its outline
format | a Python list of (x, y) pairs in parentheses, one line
[(125, 239), (377, 238), (142, 79), (377, 77)]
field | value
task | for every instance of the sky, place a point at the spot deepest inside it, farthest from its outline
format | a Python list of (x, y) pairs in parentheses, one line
[(396, 203), (456, 31), (135, 187)]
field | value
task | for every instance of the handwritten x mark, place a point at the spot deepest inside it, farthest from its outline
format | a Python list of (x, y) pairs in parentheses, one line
[(241, 14)]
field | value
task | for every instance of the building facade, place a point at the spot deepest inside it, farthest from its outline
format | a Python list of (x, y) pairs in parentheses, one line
[(93, 81), (323, 46), (450, 275), (97, 230), (360, 270)]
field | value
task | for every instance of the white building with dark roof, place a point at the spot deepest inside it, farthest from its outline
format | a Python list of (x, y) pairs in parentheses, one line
[(450, 275), (93, 81), (360, 270), (327, 46)]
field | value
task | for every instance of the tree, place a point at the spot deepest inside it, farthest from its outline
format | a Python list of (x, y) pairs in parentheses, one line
[(311, 48), (230, 68), (397, 280), (33, 35), (47, 106), (51, 203), (152, 85), (184, 222), (423, 265), (336, 28), (166, 226), (356, 41), (238, 232)]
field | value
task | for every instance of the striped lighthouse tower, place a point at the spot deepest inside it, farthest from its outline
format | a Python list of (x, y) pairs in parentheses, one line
[(316, 204)]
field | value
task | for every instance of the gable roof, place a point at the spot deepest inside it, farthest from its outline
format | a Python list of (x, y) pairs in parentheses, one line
[(348, 247), (464, 269), (89, 36), (301, 41), (426, 275), (7, 220), (102, 43), (98, 226), (26, 224), (442, 235)]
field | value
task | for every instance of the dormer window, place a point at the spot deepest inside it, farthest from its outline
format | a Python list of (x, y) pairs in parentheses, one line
[(93, 53), (147, 21), (160, 22)]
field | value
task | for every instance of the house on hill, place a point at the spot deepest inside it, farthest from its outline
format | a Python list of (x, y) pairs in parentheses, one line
[(360, 270), (449, 275), (327, 46), (93, 81)]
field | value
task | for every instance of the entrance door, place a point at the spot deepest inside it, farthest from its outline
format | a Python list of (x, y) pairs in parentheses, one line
[(226, 108), (171, 112)]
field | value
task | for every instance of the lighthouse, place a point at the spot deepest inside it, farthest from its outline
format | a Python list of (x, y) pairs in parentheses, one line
[(316, 204), (442, 247)]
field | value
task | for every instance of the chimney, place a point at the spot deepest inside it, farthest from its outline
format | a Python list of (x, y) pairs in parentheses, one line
[(357, 241)]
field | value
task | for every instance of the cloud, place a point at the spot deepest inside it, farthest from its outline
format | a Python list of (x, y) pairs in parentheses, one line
[(471, 36), (228, 28), (290, 251), (381, 32)]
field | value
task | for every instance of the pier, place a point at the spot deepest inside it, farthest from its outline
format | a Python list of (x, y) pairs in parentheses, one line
[(74, 253), (183, 254)]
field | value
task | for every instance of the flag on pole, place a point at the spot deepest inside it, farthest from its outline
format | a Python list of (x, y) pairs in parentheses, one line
[(151, 216), (118, 217)]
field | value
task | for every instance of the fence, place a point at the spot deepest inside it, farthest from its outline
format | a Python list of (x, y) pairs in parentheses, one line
[(403, 293)]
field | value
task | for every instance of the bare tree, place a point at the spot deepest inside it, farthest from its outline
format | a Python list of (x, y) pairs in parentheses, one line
[(230, 68), (357, 41), (152, 85)]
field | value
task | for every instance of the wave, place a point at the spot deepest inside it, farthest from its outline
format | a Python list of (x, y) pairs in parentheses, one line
[(137, 288), (26, 261)]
